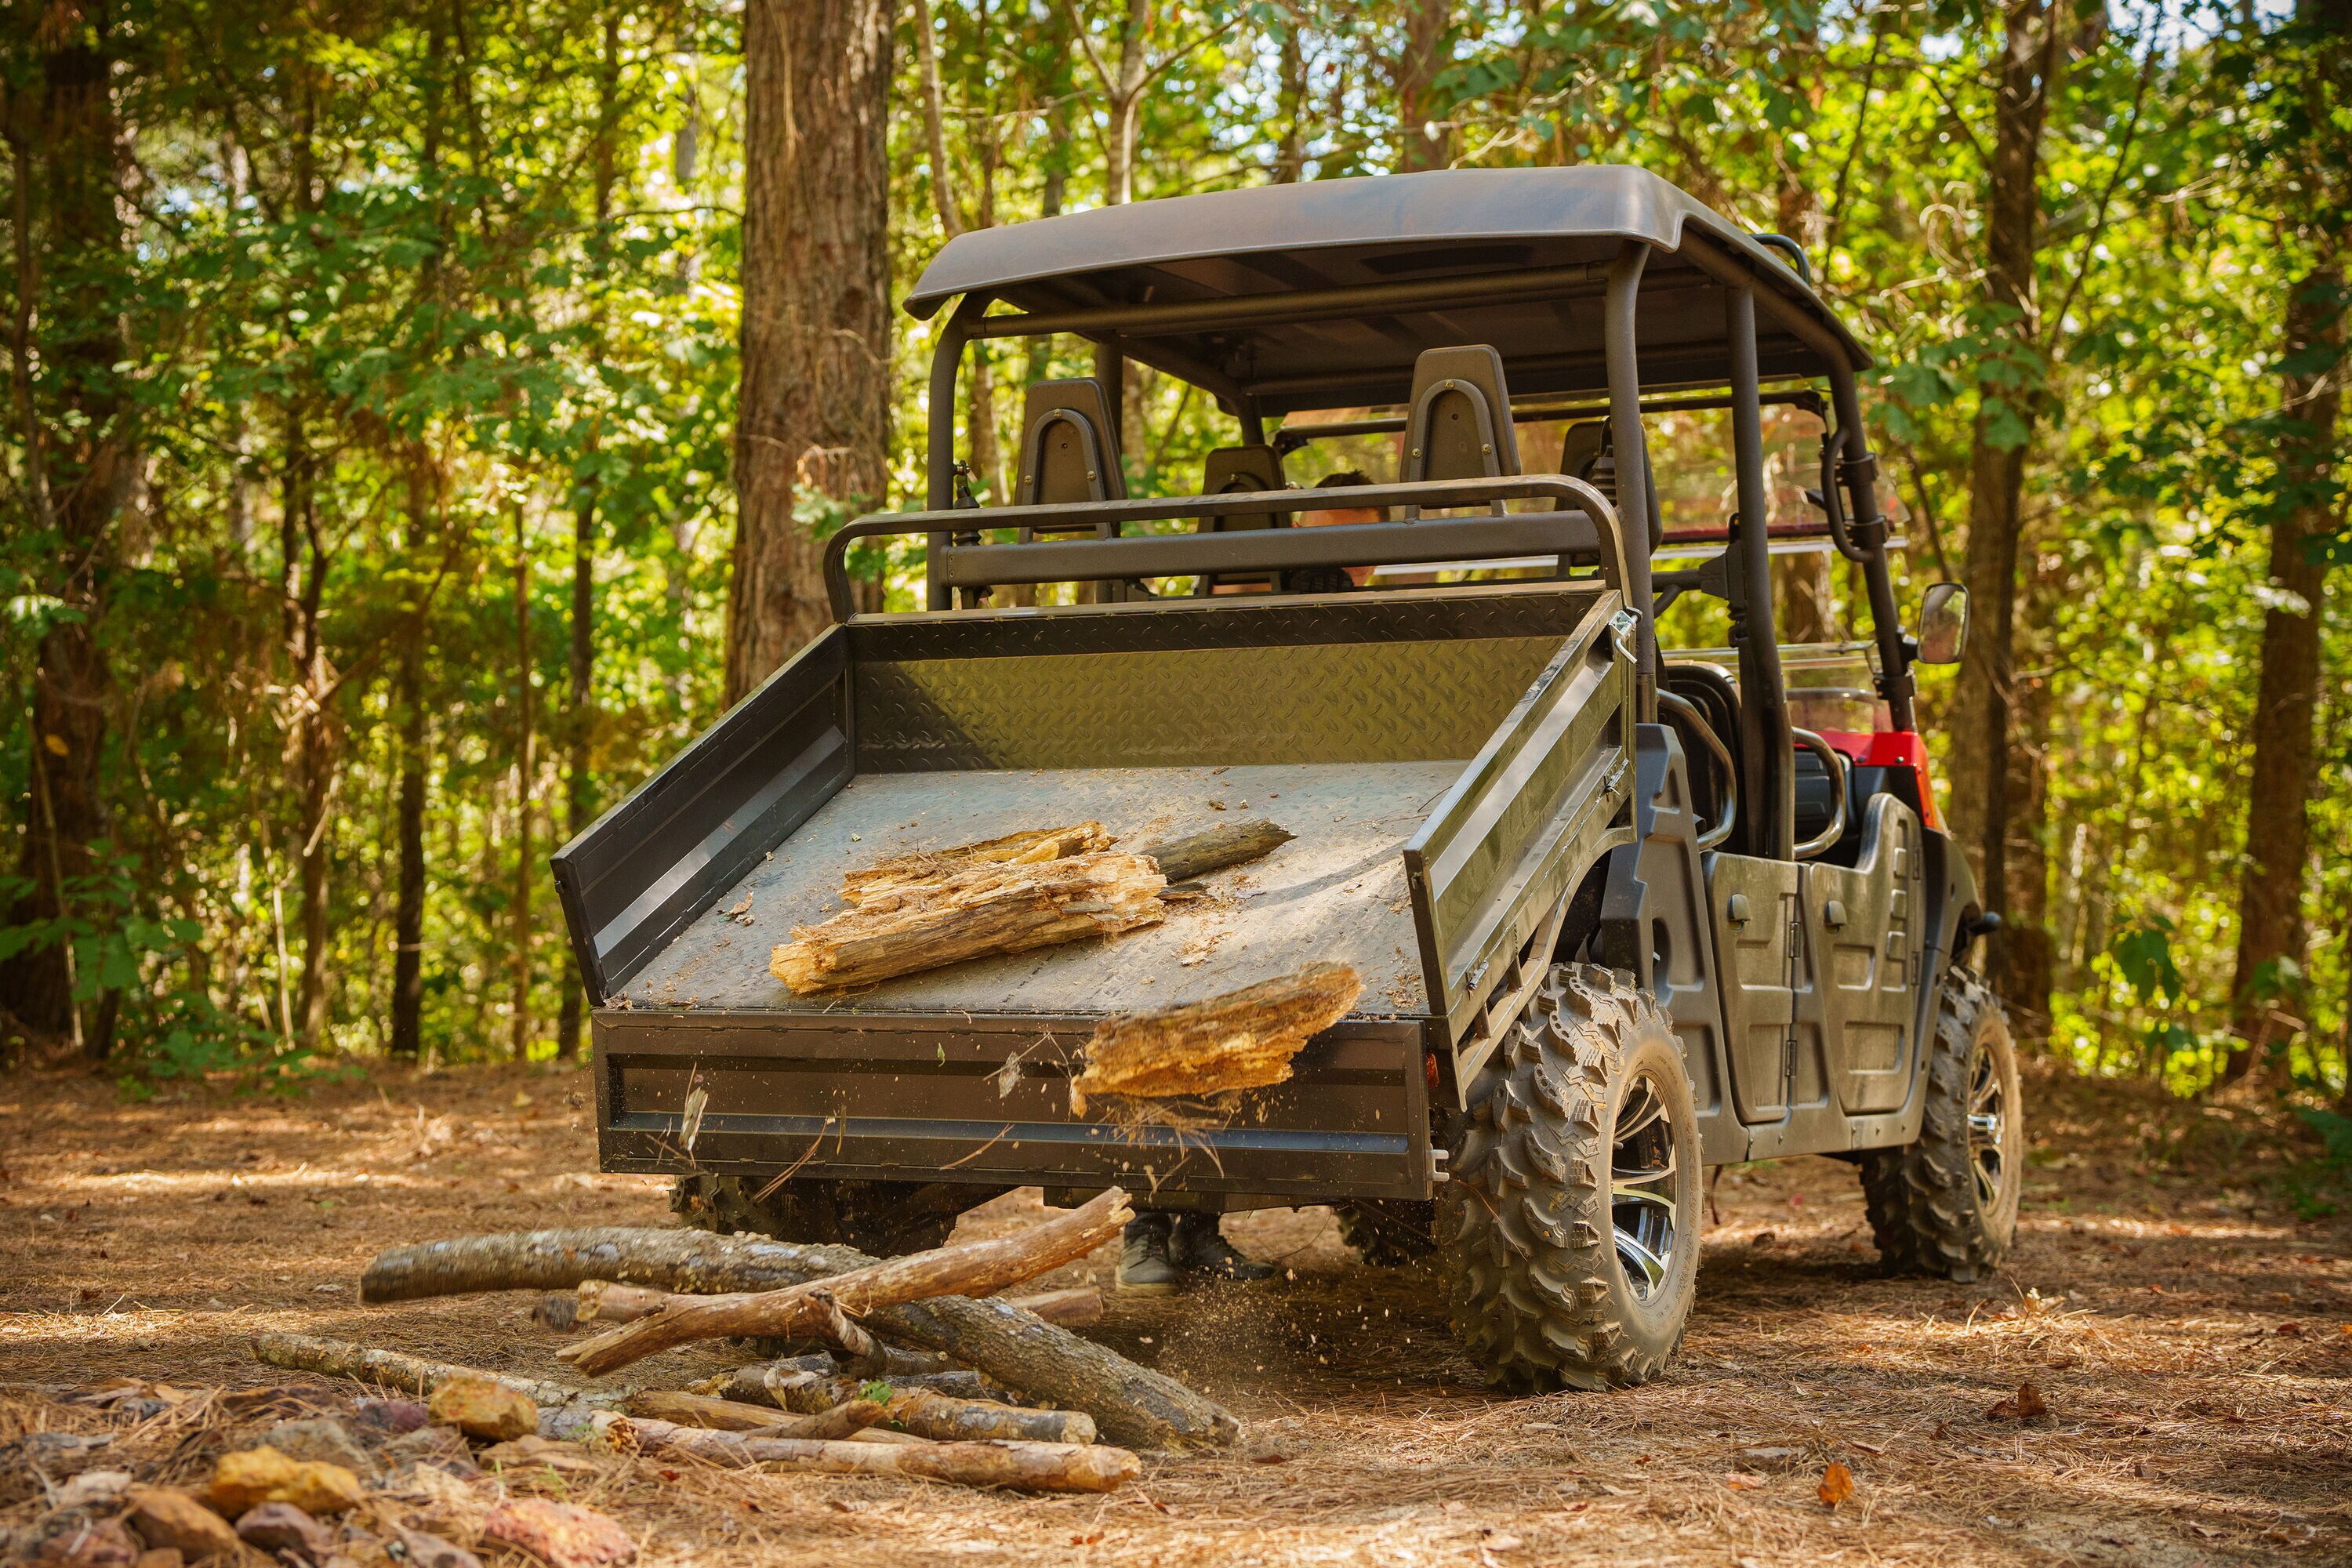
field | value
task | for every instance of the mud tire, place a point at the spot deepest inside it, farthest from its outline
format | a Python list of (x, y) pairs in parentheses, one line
[(1387, 1233), (1540, 1293), (885, 1219), (1926, 1206)]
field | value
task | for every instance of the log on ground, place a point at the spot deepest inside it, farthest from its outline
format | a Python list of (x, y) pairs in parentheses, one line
[(1019, 1467), (1243, 1039), (970, 1268), (752, 1384), (1227, 843), (408, 1373), (1072, 1309), (977, 913), (928, 1413), (1132, 1405)]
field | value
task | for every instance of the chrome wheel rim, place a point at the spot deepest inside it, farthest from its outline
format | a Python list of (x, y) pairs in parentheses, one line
[(1988, 1122), (1641, 1180)]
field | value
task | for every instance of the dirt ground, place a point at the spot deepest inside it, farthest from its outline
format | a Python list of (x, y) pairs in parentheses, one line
[(2191, 1333)]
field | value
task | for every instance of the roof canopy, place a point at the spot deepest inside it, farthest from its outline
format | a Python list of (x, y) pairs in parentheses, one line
[(1401, 235)]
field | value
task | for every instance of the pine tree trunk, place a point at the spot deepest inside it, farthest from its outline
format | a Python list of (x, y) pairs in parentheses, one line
[(2278, 795), (1978, 717), (81, 462), (815, 404), (1426, 23)]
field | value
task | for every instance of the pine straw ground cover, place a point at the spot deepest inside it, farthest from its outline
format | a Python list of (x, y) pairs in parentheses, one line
[(2188, 1329)]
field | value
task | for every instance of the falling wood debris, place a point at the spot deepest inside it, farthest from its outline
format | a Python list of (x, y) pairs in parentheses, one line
[(974, 913), (1243, 1039), (971, 1269)]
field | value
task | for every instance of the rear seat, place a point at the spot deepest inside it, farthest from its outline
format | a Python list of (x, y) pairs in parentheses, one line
[(1230, 470)]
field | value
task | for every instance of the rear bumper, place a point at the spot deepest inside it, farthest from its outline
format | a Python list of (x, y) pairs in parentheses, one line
[(930, 1097)]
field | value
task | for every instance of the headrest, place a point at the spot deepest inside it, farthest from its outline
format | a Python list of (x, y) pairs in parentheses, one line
[(1069, 448), (1240, 468), (1588, 452), (1460, 426)]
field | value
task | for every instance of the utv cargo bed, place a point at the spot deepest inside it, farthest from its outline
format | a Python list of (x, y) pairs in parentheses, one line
[(1446, 760)]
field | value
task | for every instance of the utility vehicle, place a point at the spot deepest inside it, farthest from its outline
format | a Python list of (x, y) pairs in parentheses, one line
[(1622, 914)]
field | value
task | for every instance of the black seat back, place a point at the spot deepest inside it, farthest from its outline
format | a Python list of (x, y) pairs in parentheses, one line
[(1069, 448), (1459, 427)]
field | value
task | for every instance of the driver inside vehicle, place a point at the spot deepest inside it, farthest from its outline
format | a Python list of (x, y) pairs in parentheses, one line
[(1334, 579)]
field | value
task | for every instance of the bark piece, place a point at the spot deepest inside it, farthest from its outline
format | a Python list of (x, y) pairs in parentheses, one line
[(545, 1453), (1243, 1039), (1227, 843), (1072, 1309), (560, 1535), (602, 1302), (251, 1477), (811, 1392), (973, 1269), (277, 1527), (1020, 1467), (408, 1373), (168, 1517), (1132, 1405), (978, 913), (733, 1415), (887, 883), (481, 1408)]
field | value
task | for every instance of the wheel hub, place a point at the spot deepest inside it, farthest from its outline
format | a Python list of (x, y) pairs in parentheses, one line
[(1642, 1187), (1987, 1115)]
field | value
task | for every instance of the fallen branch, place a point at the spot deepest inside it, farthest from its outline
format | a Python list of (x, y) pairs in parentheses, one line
[(1021, 1466), (986, 910), (1131, 1403), (928, 1413), (1227, 843), (1243, 1039), (751, 1384), (410, 1374), (1072, 1309), (971, 1269)]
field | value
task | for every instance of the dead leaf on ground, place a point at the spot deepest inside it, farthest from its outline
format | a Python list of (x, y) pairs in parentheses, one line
[(2025, 1405), (1837, 1484)]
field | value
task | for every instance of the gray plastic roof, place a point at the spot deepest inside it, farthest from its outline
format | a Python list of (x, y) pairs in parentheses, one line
[(1390, 229)]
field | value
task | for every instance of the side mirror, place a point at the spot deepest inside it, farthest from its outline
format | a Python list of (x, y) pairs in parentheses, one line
[(1943, 624)]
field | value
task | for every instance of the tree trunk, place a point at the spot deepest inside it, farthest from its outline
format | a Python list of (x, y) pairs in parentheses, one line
[(1421, 143), (80, 465), (2278, 795), (815, 420), (1979, 720), (1290, 156), (526, 781), (313, 726)]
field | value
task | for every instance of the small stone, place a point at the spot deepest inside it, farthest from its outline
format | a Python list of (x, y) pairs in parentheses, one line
[(393, 1415), (283, 1527), (438, 1447), (431, 1551), (165, 1516), (255, 1476), (1770, 1460), (87, 1543), (323, 1440), (560, 1534), (480, 1408), (160, 1557)]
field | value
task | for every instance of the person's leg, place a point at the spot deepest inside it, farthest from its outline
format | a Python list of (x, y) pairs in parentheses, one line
[(1197, 1245), (1144, 1267)]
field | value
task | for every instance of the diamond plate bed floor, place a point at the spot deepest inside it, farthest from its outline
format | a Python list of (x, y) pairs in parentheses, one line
[(1334, 893)]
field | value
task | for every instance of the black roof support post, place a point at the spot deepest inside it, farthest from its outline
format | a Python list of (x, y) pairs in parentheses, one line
[(938, 452), (1771, 783), (1636, 505), (1860, 471)]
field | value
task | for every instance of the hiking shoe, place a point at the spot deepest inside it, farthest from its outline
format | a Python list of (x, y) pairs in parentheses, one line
[(1144, 1269), (1199, 1246)]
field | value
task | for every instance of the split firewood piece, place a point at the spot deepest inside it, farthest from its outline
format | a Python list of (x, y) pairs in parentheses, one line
[(978, 913), (1227, 843), (1243, 1039), (410, 1374), (1132, 1405), (971, 1269), (1018, 1466), (1072, 1309), (903, 875)]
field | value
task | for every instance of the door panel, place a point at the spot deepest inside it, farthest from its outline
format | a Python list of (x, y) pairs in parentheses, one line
[(1769, 987), (1864, 919)]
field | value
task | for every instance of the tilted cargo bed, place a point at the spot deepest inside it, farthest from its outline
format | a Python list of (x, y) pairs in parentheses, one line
[(1447, 760)]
